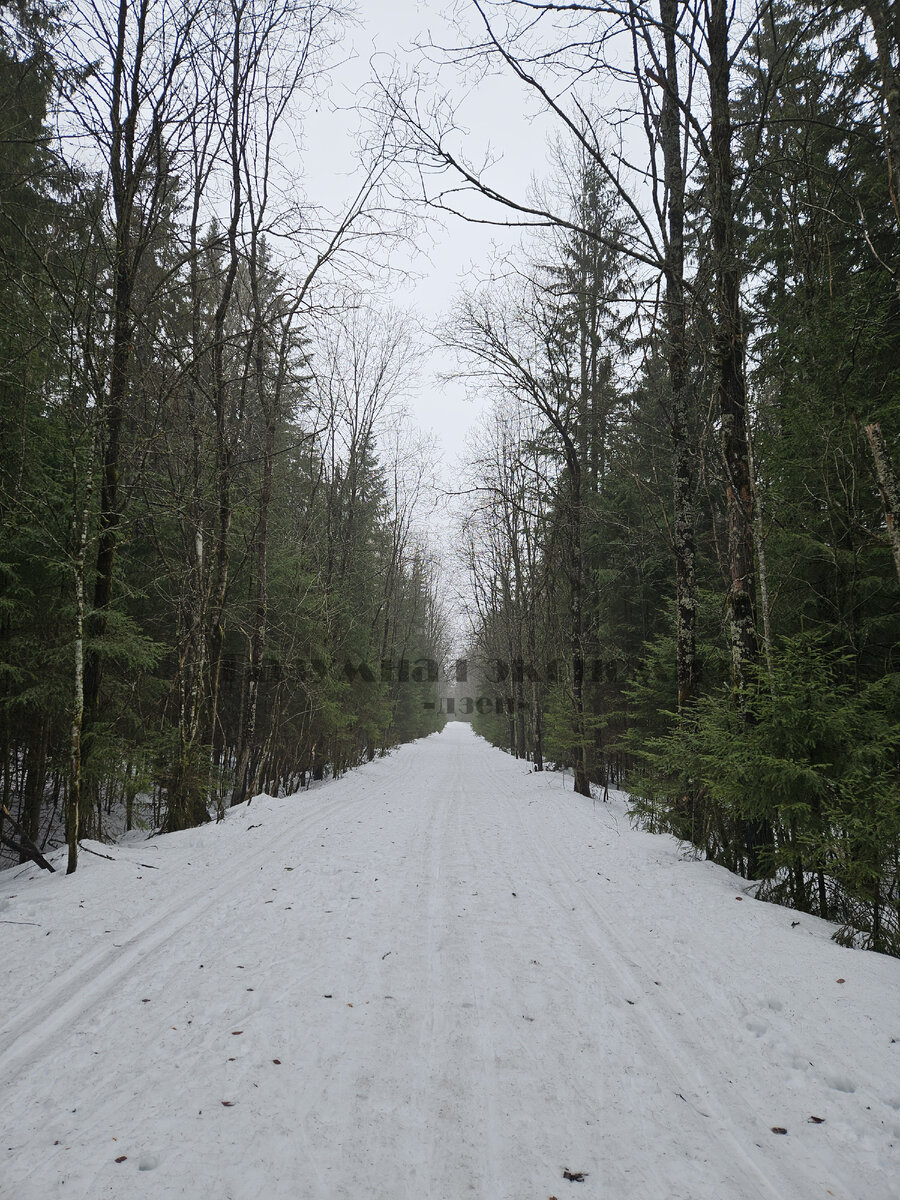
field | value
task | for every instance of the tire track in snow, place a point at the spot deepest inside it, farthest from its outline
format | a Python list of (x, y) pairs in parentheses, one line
[(95, 976), (453, 1098), (358, 1093), (482, 1073), (225, 890), (663, 1033), (553, 1040), (475, 1021)]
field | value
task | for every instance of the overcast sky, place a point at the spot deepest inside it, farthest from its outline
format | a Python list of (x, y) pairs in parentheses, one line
[(447, 254)]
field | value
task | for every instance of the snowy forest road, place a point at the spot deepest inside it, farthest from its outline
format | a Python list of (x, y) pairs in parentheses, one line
[(441, 976)]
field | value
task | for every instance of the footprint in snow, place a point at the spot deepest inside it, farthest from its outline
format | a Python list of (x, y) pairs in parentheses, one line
[(840, 1083)]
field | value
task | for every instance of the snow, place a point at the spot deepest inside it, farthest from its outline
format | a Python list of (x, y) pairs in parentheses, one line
[(471, 979)]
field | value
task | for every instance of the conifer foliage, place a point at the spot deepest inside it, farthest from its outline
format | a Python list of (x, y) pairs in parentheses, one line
[(687, 586), (210, 583)]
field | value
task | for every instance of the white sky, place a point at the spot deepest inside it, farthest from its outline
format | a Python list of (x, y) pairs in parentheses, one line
[(448, 253)]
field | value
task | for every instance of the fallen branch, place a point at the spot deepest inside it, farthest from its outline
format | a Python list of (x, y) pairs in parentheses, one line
[(88, 850), (26, 846)]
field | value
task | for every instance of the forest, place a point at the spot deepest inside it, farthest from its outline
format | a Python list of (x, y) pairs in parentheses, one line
[(680, 518), (206, 482)]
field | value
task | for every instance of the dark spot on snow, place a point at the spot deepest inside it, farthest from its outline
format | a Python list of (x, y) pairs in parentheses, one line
[(778, 1129)]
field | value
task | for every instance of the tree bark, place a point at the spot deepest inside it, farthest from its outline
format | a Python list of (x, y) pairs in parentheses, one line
[(73, 800), (680, 398), (576, 612), (886, 30), (221, 399), (731, 391), (889, 488)]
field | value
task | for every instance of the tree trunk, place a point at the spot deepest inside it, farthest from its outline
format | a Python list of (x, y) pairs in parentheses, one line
[(731, 393), (886, 30), (221, 398), (731, 390), (889, 488), (582, 780), (35, 781), (244, 780), (73, 801), (680, 398)]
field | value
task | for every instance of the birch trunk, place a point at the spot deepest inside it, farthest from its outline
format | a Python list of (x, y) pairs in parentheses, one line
[(889, 488)]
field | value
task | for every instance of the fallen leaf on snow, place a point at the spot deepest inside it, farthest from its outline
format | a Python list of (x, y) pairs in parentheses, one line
[(574, 1176), (778, 1129), (122, 1158), (228, 1104), (817, 1120)]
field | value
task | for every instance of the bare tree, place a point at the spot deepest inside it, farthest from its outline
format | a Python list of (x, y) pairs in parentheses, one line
[(562, 56)]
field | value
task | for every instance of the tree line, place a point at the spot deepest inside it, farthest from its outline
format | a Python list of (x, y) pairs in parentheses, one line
[(206, 476), (687, 475)]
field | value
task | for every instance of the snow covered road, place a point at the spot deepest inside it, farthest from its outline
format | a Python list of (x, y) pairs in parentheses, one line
[(439, 977)]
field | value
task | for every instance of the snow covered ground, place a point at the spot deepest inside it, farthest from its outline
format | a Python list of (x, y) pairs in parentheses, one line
[(439, 977)]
